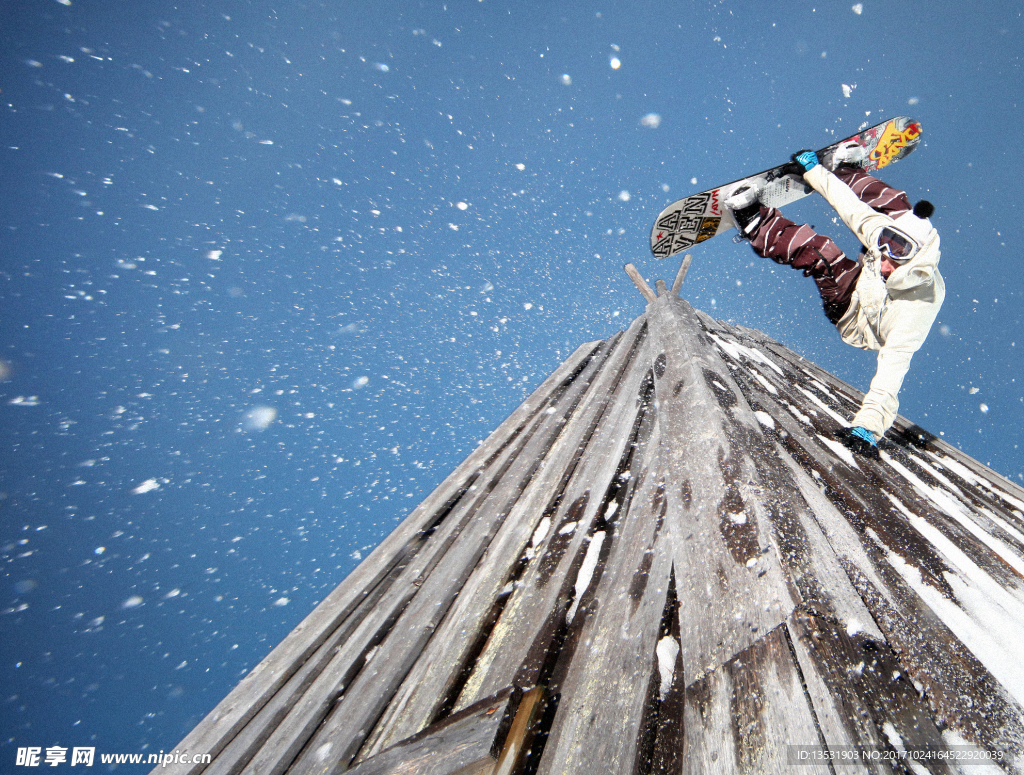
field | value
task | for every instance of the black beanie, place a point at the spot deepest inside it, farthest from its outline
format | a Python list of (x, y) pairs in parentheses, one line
[(924, 209)]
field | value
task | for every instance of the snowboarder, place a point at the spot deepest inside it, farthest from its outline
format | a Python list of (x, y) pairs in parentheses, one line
[(885, 301)]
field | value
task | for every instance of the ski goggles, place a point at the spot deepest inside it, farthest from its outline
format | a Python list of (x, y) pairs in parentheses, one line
[(896, 245)]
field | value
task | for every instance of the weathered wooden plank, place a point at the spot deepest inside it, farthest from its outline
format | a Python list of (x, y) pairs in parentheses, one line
[(941, 502), (437, 671), (728, 577), (807, 559), (274, 671), (663, 741), (854, 615), (601, 711), (253, 735), (860, 486), (362, 629), (799, 363), (742, 716), (840, 725), (519, 735), (1007, 494), (372, 617), (706, 321), (943, 515), (566, 629), (962, 695), (857, 486), (467, 743), (903, 427), (999, 509), (356, 712), (805, 556), (869, 701), (834, 544), (523, 635), (1002, 513), (932, 522), (791, 378), (929, 654), (785, 377)]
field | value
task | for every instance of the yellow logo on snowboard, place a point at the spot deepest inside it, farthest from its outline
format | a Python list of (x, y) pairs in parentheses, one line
[(892, 142)]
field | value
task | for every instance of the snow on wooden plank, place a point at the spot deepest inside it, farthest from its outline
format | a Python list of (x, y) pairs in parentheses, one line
[(930, 653), (869, 700)]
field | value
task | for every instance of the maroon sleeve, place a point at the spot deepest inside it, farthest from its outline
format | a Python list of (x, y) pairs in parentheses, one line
[(874, 193)]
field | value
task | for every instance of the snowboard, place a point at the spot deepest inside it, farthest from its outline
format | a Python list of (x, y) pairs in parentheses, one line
[(700, 217)]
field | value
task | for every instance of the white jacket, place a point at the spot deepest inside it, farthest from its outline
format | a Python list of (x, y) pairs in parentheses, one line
[(894, 316)]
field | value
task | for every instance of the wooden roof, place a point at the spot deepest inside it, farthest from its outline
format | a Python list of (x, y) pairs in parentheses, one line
[(663, 561)]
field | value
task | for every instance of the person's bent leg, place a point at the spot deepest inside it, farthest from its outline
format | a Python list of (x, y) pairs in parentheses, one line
[(800, 247)]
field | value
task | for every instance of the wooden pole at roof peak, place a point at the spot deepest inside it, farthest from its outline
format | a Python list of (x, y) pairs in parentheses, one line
[(645, 289), (640, 283), (684, 267)]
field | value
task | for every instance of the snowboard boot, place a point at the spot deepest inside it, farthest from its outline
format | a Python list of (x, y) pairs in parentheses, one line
[(856, 440), (849, 154), (745, 206)]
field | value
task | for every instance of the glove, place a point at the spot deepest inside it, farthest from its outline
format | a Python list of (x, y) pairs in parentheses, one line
[(859, 440), (806, 159)]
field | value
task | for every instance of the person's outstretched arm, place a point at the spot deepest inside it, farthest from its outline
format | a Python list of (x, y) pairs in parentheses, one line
[(861, 218)]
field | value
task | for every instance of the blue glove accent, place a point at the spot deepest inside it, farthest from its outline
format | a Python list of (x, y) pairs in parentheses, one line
[(865, 434), (806, 159)]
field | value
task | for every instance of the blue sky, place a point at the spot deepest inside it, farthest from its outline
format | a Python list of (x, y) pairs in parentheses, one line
[(269, 272)]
